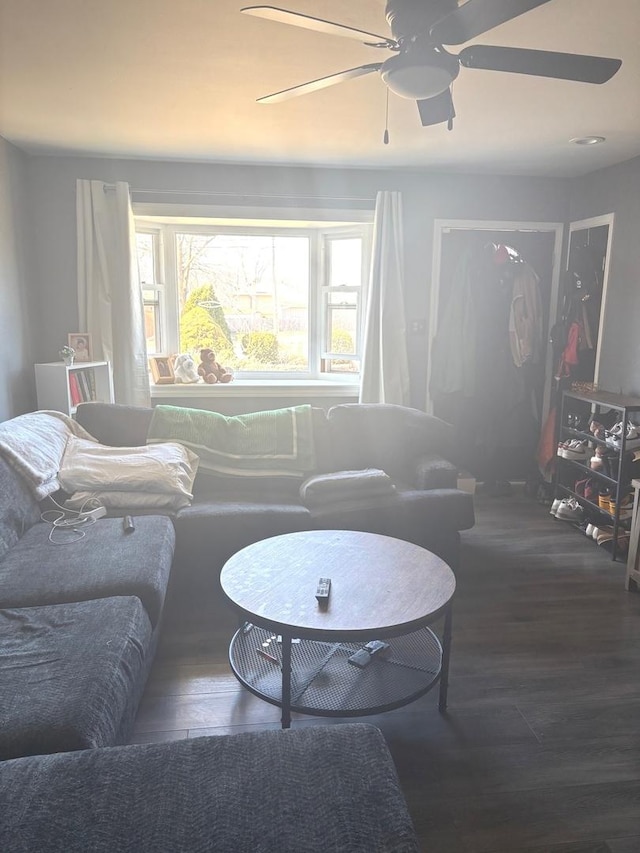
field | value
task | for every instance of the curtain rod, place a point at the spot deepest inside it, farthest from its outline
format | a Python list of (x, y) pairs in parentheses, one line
[(268, 196)]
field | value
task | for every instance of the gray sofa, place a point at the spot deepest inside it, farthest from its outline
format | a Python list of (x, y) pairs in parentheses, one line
[(79, 623), (413, 448), (318, 789)]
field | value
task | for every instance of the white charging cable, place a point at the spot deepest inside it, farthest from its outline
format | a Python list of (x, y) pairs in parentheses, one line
[(70, 521)]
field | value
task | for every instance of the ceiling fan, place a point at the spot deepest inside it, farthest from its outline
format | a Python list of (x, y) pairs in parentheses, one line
[(420, 67)]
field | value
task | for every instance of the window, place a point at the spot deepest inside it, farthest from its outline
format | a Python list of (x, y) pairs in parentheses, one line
[(271, 299), (148, 248)]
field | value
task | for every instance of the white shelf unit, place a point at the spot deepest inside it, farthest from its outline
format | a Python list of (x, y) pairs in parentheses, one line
[(54, 389)]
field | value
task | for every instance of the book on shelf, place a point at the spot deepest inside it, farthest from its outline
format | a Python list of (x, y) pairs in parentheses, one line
[(74, 390), (92, 384), (84, 386)]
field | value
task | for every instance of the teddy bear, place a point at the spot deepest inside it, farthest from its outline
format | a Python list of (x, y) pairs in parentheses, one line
[(211, 370), (184, 369)]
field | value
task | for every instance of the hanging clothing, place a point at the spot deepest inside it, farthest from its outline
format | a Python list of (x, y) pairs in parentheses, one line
[(526, 318), (475, 382)]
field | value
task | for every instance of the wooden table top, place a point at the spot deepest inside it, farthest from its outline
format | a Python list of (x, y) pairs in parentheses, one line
[(378, 584)]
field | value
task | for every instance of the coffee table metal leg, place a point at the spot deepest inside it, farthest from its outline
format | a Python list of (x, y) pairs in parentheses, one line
[(286, 681), (446, 651)]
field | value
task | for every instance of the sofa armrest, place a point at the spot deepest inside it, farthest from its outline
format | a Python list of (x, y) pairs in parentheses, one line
[(432, 471)]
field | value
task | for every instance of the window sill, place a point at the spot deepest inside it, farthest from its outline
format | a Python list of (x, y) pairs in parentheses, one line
[(258, 388)]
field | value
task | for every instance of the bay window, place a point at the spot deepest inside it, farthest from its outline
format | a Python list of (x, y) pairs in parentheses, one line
[(271, 298)]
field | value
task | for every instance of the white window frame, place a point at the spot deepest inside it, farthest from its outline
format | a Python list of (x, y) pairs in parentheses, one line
[(326, 289), (319, 236), (163, 320)]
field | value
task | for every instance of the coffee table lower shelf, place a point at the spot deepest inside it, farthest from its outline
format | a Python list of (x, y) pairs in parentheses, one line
[(323, 683)]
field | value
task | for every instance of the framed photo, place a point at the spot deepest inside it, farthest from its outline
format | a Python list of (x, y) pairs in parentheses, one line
[(81, 343), (162, 370)]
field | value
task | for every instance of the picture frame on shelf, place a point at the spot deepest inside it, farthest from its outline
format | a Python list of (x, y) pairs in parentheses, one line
[(80, 342), (162, 370)]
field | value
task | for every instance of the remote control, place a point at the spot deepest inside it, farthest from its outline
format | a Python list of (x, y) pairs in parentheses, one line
[(361, 658), (375, 646), (323, 589), (128, 525)]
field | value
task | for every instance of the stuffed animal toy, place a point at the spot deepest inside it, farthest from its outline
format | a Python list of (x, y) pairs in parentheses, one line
[(211, 370), (184, 369)]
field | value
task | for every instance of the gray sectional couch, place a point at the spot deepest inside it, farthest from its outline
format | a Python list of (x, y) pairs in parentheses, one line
[(79, 624)]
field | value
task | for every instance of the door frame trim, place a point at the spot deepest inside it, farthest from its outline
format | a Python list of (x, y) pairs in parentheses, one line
[(585, 225)]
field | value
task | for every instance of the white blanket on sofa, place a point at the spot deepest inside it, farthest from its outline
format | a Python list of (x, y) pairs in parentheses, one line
[(34, 444), (160, 475)]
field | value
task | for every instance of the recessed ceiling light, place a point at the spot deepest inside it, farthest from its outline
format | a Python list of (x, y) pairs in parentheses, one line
[(588, 140)]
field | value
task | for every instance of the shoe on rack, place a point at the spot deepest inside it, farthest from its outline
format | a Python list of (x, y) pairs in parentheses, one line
[(622, 543), (589, 530), (605, 534), (570, 510), (575, 450), (555, 505), (616, 429), (632, 438), (586, 488), (563, 444), (597, 429)]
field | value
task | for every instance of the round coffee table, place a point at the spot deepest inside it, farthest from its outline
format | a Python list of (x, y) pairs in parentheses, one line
[(294, 652)]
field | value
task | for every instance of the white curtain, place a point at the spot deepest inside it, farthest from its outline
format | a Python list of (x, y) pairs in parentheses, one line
[(385, 365), (109, 295)]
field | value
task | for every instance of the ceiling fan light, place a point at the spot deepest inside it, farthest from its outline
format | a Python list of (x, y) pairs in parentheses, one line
[(415, 77), (587, 140)]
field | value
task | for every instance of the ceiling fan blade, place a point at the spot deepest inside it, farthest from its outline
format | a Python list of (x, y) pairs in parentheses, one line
[(437, 109), (320, 83), (476, 17), (540, 63), (296, 19)]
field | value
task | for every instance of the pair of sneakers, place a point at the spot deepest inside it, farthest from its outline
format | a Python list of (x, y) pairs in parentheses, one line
[(604, 536), (567, 509), (574, 449), (632, 436)]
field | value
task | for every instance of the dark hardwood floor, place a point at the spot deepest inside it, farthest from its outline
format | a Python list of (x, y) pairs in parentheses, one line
[(540, 748)]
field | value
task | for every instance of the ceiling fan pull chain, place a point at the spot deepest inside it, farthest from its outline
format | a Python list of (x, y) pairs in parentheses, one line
[(385, 138)]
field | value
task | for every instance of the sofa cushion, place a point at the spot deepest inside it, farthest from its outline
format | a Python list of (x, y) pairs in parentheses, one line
[(114, 423), (106, 562), (318, 789), (326, 489), (384, 436), (210, 531), (69, 673), (19, 510)]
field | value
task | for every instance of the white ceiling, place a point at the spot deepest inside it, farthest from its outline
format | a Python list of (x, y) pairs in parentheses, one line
[(178, 79)]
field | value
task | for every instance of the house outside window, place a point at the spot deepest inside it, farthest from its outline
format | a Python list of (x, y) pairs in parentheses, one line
[(272, 299)]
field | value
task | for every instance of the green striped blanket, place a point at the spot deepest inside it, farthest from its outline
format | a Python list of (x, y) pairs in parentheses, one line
[(276, 442)]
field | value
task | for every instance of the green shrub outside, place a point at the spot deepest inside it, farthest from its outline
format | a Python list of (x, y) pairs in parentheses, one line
[(341, 341), (198, 330), (204, 297), (261, 346)]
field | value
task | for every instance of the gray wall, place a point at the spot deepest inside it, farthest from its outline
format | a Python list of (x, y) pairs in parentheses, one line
[(426, 197), (617, 190), (19, 327)]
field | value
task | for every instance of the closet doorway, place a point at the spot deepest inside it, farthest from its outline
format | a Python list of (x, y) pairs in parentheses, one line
[(495, 433)]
